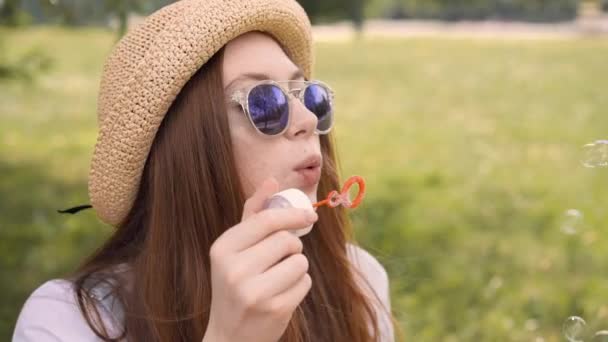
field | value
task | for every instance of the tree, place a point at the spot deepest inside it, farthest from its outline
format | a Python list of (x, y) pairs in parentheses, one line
[(121, 10), (26, 67), (528, 10), (11, 13), (356, 14), (328, 10)]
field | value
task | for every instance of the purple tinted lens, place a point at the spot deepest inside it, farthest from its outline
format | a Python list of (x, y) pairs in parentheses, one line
[(316, 99), (268, 108)]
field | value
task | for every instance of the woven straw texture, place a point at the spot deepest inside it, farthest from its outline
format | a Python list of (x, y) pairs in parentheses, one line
[(152, 62)]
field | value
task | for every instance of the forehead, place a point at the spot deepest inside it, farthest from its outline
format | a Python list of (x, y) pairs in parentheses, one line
[(256, 53)]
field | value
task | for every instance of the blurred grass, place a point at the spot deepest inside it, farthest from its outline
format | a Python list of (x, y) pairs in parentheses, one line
[(470, 149)]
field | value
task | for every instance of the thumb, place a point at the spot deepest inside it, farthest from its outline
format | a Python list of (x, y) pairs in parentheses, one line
[(255, 203)]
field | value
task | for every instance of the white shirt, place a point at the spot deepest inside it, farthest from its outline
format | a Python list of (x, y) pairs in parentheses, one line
[(51, 313)]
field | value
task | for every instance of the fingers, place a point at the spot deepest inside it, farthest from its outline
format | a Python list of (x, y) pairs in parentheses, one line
[(264, 223), (282, 276), (288, 300), (268, 252), (255, 203)]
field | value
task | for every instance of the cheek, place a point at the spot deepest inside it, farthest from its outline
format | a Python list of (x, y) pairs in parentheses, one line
[(253, 160)]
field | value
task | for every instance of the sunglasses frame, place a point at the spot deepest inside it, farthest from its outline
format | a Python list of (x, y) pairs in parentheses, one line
[(242, 98)]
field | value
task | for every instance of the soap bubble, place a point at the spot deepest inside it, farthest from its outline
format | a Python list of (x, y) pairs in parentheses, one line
[(572, 221), (353, 191), (573, 328), (600, 336), (596, 154), (337, 199)]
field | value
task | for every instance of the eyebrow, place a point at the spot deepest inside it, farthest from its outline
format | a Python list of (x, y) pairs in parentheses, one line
[(261, 77)]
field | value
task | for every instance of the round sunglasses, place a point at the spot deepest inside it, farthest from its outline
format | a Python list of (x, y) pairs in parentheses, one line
[(266, 104)]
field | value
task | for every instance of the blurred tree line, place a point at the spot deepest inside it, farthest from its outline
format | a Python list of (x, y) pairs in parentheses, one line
[(78, 12), (73, 12), (520, 10)]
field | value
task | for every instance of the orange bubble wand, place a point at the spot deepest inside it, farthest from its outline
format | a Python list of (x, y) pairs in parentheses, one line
[(335, 198)]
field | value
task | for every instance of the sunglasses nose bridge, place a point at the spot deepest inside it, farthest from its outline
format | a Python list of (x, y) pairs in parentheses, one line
[(301, 117), (295, 93)]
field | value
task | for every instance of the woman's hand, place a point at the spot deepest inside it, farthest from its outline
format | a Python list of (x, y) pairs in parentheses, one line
[(258, 272)]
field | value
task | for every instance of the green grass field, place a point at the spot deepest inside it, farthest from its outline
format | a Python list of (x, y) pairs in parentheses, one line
[(471, 150)]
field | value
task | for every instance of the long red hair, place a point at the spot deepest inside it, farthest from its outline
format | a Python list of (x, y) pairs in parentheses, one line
[(189, 195)]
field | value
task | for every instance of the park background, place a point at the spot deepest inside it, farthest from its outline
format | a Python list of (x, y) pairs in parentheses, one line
[(466, 117)]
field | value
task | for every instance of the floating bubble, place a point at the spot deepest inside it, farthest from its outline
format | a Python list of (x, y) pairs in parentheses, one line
[(574, 328), (600, 336), (595, 154), (572, 221)]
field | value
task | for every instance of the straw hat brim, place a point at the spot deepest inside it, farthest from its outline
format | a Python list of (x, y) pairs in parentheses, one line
[(149, 66)]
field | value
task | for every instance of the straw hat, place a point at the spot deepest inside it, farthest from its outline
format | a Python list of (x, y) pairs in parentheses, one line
[(149, 66)]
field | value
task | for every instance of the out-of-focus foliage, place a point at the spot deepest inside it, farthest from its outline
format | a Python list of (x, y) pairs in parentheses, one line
[(321, 11), (11, 13), (76, 12), (25, 67), (528, 10)]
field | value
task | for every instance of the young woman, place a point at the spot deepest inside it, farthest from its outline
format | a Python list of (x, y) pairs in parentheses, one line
[(205, 110)]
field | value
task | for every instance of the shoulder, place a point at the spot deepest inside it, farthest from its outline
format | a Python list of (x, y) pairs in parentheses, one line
[(51, 313), (370, 268), (376, 280)]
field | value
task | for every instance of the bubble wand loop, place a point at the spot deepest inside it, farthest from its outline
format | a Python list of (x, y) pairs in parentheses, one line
[(295, 198), (335, 199)]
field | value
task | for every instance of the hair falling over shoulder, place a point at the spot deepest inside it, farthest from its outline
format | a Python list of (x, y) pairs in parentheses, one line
[(188, 196)]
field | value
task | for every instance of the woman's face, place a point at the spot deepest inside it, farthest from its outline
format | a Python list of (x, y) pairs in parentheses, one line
[(247, 59)]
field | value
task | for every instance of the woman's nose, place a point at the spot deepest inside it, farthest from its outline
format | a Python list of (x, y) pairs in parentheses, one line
[(303, 121)]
